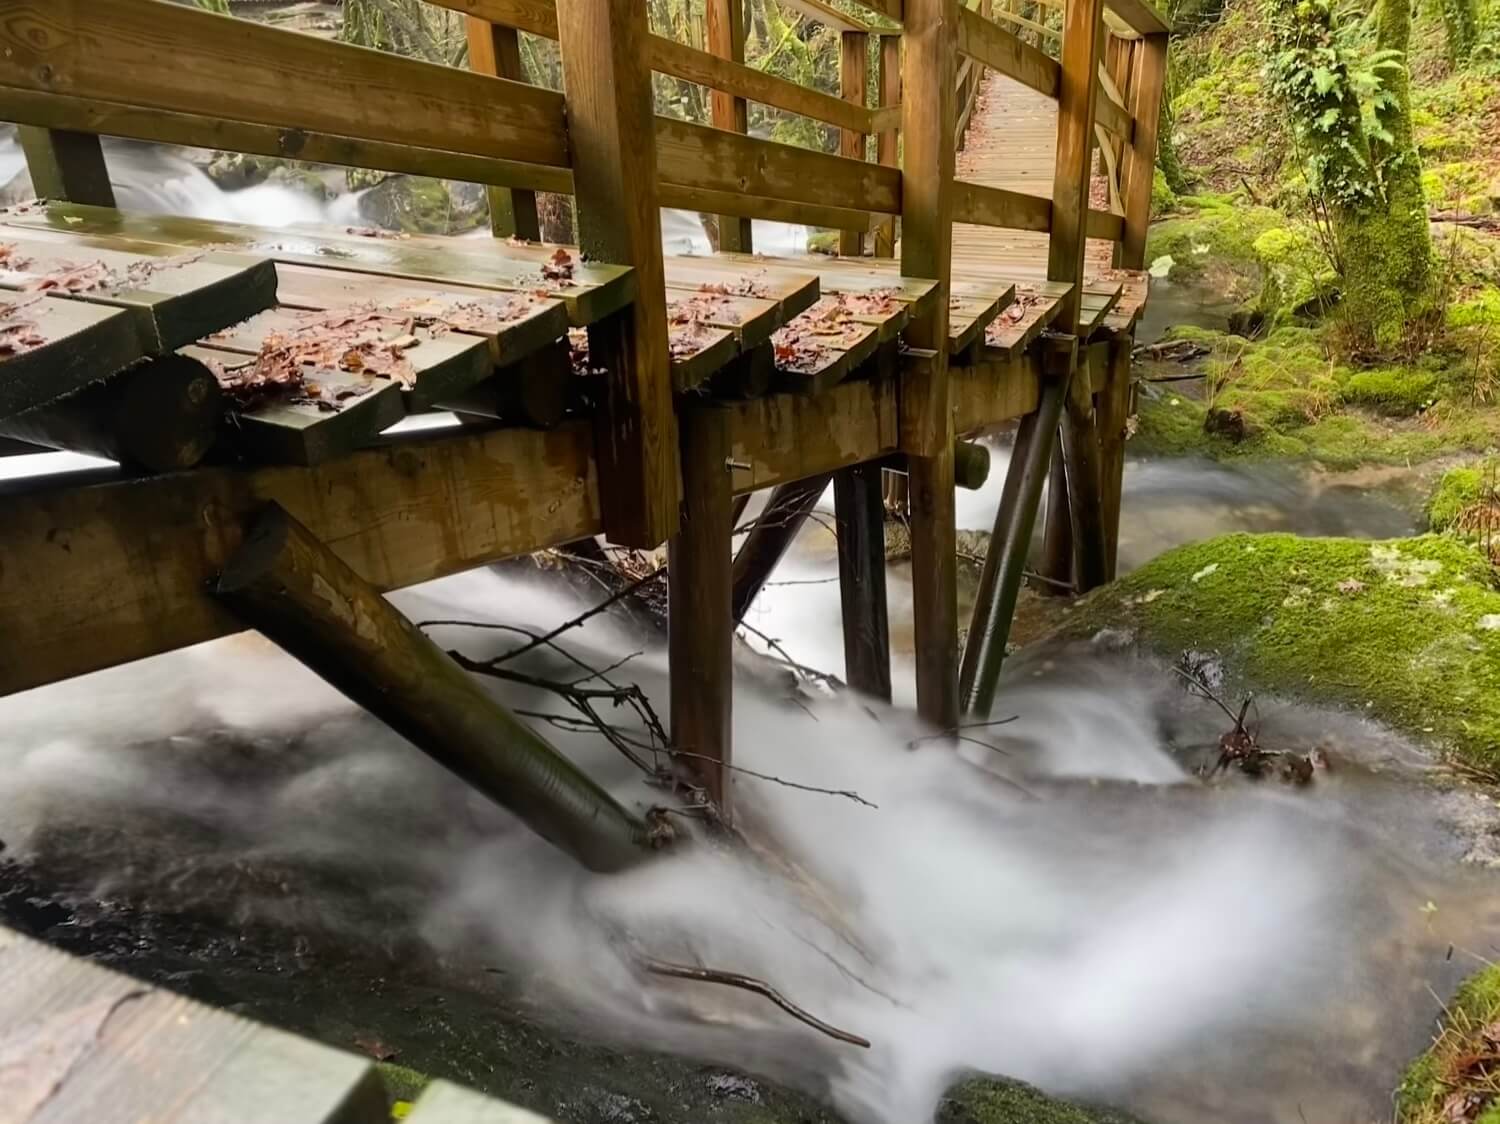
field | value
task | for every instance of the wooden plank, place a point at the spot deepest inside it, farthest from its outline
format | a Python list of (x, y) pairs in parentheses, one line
[(999, 50), (104, 574), (859, 506), (434, 366), (172, 300), (854, 76), (287, 429), (1148, 76), (66, 165), (863, 276), (1096, 303), (536, 390), (821, 12), (1111, 115), (750, 319), (700, 624), (887, 142), (1113, 406), (1083, 31), (761, 207), (995, 389), (969, 316), (496, 50), (784, 437), (59, 346), (931, 47), (817, 351), (98, 1045), (724, 33), (1141, 16), (998, 206), (1036, 308), (197, 130), (698, 351), (793, 288), (164, 56), (591, 291), (619, 219), (698, 156), (446, 1103)]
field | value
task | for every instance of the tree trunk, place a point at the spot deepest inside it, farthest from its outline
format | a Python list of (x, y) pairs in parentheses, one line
[(1461, 18)]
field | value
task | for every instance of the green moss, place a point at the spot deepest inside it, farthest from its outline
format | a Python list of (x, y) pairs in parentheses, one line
[(1295, 272), (987, 1101), (1403, 630), (1458, 490), (1397, 391), (1213, 240), (401, 1083), (1434, 1076), (1163, 199), (823, 242), (1481, 310)]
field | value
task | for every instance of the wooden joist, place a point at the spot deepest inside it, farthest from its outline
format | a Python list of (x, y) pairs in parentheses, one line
[(56, 346), (1037, 305), (998, 206)]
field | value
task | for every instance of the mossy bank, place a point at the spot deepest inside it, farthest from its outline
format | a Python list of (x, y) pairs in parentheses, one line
[(1454, 1080)]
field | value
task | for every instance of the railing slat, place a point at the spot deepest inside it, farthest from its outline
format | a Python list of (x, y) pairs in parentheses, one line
[(999, 50)]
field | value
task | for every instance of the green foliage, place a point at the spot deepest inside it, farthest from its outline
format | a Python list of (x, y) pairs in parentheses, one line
[(1457, 492), (406, 27), (1437, 1074), (989, 1101), (1397, 391), (1404, 631)]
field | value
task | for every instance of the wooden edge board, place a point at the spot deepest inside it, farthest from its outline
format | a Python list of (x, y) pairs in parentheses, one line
[(968, 317), (80, 344), (794, 290), (283, 431), (751, 319), (1012, 339), (712, 349), (844, 352)]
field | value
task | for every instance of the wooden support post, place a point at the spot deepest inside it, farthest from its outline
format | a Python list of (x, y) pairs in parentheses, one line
[(612, 133), (161, 415), (725, 35), (888, 143), (767, 541), (1113, 409), (1005, 561), (66, 165), (1148, 76), (1081, 456), (926, 418), (1082, 31), (860, 511), (289, 585), (854, 74), (1056, 563), (496, 49), (700, 625)]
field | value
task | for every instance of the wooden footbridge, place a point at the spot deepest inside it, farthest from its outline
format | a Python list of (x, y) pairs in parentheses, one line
[(992, 205)]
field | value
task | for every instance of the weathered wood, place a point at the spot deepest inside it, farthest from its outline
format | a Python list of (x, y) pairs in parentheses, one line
[(66, 165), (619, 219), (1141, 16), (700, 624), (292, 588), (496, 50), (1110, 114), (82, 1042), (732, 202), (1055, 564), (887, 141), (750, 319), (999, 50), (854, 76), (165, 56), (1081, 457), (998, 206), (1148, 77), (859, 506), (930, 44), (173, 301), (767, 542), (1083, 30), (793, 288), (993, 390), (748, 375), (698, 352), (1112, 406), (1103, 225), (82, 591), (161, 415), (1005, 560), (819, 11), (533, 391), (724, 30), (63, 345)]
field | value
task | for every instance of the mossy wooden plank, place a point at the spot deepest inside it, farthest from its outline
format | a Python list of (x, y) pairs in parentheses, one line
[(515, 324), (57, 346), (1095, 304), (440, 364), (590, 290), (96, 1045), (174, 300), (297, 429)]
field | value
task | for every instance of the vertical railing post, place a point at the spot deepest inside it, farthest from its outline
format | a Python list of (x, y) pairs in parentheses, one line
[(888, 143), (1147, 78), (66, 165), (496, 49), (859, 510), (926, 420), (725, 35), (854, 76), (612, 134)]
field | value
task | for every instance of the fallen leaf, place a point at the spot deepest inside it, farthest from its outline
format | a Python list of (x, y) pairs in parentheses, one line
[(1350, 585), (376, 1048)]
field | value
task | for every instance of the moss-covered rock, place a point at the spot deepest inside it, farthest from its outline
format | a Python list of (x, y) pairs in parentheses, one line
[(1407, 631), (988, 1101), (418, 205), (1449, 1081), (1397, 391)]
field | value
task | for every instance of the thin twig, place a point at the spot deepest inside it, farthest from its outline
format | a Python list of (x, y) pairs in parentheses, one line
[(750, 983), (848, 794), (786, 657)]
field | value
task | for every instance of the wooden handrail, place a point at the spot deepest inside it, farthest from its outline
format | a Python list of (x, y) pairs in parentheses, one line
[(1111, 115), (997, 206), (999, 50)]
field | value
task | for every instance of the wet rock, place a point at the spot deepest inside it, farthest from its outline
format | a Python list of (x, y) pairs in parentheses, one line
[(997, 1101), (1229, 424), (417, 205)]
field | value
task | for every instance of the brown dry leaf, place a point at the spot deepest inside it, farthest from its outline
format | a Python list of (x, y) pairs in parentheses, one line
[(1350, 585), (559, 267), (376, 1048), (1462, 1107)]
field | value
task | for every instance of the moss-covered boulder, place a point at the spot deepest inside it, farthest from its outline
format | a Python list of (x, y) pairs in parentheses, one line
[(1464, 501), (418, 205), (1406, 631), (1454, 1079), (988, 1101)]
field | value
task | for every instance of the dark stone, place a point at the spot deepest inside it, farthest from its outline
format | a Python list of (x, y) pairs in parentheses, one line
[(1229, 424)]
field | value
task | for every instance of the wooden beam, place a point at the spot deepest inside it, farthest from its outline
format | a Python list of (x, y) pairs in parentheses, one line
[(854, 76), (724, 30), (619, 220), (496, 50), (157, 55), (999, 50), (699, 619), (1113, 408), (998, 206), (1085, 490), (1141, 16), (770, 538), (859, 506), (732, 202), (821, 12), (1148, 76), (888, 139), (1075, 149), (66, 165), (1104, 226), (1111, 115), (926, 416)]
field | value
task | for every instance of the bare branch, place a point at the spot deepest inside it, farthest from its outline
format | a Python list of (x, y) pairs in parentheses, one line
[(848, 794)]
